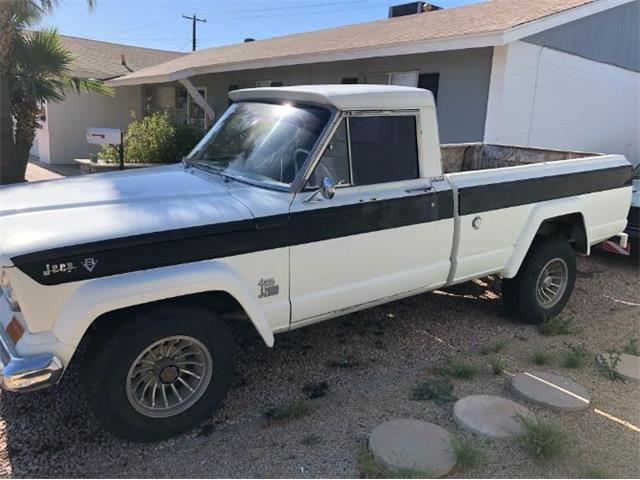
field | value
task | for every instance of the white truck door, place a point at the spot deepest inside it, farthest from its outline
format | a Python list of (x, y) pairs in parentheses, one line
[(384, 233)]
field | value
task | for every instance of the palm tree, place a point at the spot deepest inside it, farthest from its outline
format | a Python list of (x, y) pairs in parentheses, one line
[(21, 53), (39, 73)]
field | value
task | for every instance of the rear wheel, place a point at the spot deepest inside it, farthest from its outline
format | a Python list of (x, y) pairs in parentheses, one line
[(544, 283), (159, 373)]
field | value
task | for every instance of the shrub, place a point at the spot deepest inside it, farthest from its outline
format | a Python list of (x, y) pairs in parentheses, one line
[(497, 364), (288, 412), (154, 139), (540, 358), (559, 325), (459, 369), (436, 389), (575, 356), (608, 364), (632, 347), (544, 440), (497, 347), (467, 454)]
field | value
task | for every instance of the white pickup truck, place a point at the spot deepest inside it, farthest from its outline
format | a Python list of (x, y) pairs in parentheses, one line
[(299, 205)]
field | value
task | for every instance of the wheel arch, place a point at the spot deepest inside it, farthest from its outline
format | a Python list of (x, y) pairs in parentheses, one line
[(100, 300), (563, 218)]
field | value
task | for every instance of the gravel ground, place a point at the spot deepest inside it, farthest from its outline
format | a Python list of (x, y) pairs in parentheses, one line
[(370, 361)]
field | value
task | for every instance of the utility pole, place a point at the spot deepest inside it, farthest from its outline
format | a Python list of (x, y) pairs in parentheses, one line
[(194, 19)]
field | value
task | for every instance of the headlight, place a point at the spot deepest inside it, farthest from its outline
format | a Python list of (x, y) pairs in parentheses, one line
[(7, 291)]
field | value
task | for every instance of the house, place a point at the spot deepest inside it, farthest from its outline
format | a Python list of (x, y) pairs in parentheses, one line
[(62, 136), (550, 73)]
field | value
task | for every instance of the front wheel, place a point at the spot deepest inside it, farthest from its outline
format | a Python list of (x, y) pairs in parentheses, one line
[(544, 283), (160, 372)]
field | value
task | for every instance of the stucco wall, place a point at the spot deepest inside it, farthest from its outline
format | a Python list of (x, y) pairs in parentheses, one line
[(462, 95), (546, 98), (67, 121), (612, 36)]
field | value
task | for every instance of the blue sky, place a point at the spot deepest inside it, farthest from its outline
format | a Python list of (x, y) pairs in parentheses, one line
[(158, 23)]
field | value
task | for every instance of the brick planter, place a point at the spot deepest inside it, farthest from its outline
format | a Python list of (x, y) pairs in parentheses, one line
[(87, 166)]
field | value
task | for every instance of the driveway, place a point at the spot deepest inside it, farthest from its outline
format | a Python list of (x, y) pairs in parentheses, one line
[(370, 362)]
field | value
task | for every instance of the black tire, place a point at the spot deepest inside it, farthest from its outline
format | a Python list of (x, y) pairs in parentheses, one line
[(114, 349), (519, 294)]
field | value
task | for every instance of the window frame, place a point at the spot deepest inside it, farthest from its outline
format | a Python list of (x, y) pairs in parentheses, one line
[(347, 115)]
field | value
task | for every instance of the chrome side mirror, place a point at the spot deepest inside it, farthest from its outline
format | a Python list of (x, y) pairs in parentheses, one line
[(327, 189)]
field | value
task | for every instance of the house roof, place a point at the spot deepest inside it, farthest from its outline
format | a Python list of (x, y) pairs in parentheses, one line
[(494, 22), (103, 60), (343, 97)]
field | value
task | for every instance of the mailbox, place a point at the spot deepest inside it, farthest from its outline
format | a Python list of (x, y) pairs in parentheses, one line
[(99, 136)]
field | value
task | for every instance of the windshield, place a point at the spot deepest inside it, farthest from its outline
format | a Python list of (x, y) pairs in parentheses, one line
[(261, 142)]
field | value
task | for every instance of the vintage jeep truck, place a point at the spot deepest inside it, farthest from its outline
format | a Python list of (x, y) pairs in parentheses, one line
[(299, 205)]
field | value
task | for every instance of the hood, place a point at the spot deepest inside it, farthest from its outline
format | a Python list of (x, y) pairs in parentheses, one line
[(45, 215)]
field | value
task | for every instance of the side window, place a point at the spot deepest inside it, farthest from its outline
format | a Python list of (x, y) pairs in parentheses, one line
[(383, 149), (335, 160)]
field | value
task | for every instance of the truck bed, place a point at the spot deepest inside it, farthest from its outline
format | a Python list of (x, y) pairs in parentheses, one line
[(462, 157)]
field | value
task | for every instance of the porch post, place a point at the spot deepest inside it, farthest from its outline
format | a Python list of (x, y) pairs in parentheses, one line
[(199, 99)]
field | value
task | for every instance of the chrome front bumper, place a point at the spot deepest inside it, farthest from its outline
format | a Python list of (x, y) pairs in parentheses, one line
[(24, 374)]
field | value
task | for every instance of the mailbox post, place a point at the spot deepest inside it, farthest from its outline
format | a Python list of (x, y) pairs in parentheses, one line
[(108, 136)]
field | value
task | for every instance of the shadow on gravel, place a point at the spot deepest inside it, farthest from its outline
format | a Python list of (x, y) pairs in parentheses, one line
[(52, 433)]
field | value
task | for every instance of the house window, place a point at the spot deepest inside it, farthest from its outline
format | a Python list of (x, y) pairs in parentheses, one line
[(408, 79), (430, 81)]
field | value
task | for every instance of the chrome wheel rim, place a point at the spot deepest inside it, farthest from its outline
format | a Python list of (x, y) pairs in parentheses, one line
[(169, 376), (552, 282)]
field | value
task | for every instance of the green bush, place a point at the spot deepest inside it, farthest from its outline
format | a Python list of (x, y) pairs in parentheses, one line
[(154, 139)]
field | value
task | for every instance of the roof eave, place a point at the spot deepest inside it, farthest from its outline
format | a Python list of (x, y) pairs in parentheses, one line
[(490, 39)]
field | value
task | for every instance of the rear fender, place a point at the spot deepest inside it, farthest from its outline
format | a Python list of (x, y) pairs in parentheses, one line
[(541, 212), (104, 295)]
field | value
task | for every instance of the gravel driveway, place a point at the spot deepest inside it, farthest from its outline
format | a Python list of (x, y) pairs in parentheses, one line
[(370, 362)]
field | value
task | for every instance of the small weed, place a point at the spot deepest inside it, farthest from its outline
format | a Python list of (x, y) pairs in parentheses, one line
[(311, 440), (458, 369), (559, 325), (372, 469), (540, 358), (286, 413), (608, 364), (632, 347), (595, 472), (437, 389), (497, 347), (542, 439), (575, 356), (468, 455), (497, 365)]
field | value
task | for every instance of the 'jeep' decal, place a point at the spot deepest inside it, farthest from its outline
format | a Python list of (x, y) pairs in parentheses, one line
[(268, 287)]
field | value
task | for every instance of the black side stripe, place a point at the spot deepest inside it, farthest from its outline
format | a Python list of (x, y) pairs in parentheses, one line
[(483, 198), (186, 245), (346, 220)]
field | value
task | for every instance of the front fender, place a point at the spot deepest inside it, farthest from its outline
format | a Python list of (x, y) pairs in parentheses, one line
[(541, 212), (103, 295)]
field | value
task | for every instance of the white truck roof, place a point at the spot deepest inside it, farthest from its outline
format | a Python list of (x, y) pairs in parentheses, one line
[(343, 97)]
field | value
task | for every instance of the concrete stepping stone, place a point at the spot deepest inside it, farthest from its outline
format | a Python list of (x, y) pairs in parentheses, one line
[(629, 367), (412, 444), (551, 391), (490, 416)]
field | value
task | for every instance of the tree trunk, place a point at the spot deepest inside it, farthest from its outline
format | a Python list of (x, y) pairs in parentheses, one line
[(26, 123), (9, 171)]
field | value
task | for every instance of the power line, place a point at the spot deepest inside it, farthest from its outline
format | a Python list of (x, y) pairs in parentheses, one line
[(194, 20)]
